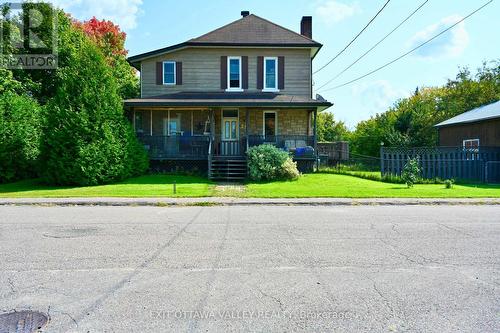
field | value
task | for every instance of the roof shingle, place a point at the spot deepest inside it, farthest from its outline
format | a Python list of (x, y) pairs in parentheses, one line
[(253, 29)]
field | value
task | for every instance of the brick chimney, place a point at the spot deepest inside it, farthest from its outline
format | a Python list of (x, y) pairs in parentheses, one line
[(245, 13), (306, 26)]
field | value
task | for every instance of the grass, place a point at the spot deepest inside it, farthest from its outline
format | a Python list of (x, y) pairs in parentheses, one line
[(343, 186), (310, 185), (144, 186)]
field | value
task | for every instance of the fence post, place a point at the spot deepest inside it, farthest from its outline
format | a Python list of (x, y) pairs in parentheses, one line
[(382, 159)]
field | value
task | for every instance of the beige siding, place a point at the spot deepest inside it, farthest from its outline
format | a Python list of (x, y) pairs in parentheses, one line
[(201, 70)]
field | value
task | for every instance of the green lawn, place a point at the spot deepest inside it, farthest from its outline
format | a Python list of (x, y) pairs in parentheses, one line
[(145, 186), (332, 185), (311, 185)]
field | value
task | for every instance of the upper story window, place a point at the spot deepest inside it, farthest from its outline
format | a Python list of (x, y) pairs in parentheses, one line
[(234, 70), (169, 72), (271, 73)]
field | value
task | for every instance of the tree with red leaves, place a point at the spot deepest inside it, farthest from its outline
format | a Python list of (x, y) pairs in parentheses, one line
[(111, 40)]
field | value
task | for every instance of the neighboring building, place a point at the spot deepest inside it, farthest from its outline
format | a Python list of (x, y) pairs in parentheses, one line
[(472, 129), (205, 101)]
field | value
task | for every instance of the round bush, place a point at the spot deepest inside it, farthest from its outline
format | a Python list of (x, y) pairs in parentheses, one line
[(266, 162)]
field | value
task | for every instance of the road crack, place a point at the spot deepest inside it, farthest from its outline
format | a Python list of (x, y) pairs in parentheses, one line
[(193, 323), (97, 303)]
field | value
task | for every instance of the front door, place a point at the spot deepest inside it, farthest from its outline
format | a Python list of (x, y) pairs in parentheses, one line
[(230, 133)]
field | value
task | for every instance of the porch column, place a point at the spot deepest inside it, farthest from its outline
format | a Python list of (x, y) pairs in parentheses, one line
[(247, 124), (315, 138), (151, 122), (212, 124)]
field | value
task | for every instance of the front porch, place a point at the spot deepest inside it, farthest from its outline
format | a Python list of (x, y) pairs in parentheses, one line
[(200, 134)]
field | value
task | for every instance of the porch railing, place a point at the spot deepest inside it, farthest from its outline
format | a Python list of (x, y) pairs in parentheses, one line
[(282, 141), (223, 147), (176, 146)]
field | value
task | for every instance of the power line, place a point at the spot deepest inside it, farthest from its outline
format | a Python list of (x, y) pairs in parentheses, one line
[(377, 44), (352, 41), (411, 51)]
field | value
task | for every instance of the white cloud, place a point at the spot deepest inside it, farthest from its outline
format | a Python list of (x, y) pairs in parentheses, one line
[(451, 44), (331, 11), (122, 12), (376, 97)]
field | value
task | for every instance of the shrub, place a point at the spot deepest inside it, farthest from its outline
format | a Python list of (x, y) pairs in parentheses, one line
[(411, 172), (289, 170), (448, 183), (20, 132), (87, 139), (266, 162)]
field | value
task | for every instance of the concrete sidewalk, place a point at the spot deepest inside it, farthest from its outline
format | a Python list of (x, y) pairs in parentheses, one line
[(225, 201)]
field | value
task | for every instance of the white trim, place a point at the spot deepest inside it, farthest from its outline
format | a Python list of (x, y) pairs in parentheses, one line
[(470, 140), (192, 123), (271, 89), (238, 89), (264, 123), (175, 73), (151, 122)]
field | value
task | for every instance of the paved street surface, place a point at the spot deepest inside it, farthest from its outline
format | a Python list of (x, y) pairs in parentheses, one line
[(258, 268)]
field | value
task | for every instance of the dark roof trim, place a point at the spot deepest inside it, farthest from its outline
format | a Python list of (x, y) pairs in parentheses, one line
[(149, 103), (467, 122), (134, 59)]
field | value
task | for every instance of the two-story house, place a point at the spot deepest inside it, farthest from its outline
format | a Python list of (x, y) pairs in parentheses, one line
[(204, 102)]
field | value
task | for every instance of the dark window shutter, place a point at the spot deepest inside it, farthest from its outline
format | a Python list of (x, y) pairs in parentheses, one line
[(223, 72), (244, 70), (178, 73), (260, 72), (159, 73), (281, 73)]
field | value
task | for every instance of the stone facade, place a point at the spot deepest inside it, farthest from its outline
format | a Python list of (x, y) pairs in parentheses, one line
[(290, 122)]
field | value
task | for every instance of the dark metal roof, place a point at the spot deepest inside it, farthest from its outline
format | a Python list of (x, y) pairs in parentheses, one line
[(249, 31), (485, 112), (228, 99)]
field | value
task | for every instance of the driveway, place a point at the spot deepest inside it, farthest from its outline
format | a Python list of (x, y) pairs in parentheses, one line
[(258, 268)]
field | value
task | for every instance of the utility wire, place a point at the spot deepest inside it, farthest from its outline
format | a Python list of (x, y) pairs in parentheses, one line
[(411, 51), (352, 41), (377, 44)]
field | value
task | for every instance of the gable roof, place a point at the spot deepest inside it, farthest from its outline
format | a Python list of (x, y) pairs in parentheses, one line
[(248, 31), (253, 29), (485, 112)]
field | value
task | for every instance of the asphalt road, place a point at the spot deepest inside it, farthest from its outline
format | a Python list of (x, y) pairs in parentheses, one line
[(260, 268)]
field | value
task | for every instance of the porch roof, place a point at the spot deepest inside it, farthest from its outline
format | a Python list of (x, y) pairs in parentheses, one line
[(229, 99)]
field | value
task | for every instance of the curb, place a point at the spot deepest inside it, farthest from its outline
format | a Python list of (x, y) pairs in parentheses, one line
[(208, 202)]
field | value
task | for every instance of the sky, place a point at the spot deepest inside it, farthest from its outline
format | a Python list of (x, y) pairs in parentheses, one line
[(153, 24)]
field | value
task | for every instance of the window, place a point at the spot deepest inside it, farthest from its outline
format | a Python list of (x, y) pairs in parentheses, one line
[(234, 70), (471, 143), (138, 122), (169, 72), (270, 124), (471, 148), (271, 74)]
